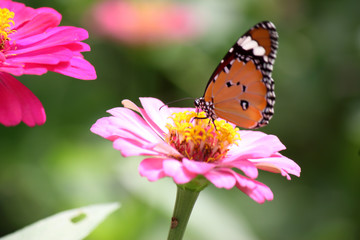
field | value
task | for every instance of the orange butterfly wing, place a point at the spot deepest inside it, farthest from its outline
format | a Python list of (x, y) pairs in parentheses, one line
[(241, 89)]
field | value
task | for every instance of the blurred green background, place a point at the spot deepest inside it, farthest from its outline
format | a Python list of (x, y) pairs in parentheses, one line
[(62, 165)]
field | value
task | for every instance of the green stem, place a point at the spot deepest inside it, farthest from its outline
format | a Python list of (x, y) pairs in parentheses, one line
[(185, 201)]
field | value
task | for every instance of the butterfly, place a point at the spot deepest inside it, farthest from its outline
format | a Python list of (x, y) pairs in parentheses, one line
[(241, 89)]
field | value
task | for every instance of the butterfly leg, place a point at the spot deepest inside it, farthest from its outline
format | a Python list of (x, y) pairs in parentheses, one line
[(210, 120), (200, 117), (213, 122)]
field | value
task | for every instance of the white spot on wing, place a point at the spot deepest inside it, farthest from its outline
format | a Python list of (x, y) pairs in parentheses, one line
[(241, 40), (247, 43), (259, 51)]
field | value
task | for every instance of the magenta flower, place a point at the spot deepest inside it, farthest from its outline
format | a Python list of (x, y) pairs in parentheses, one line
[(145, 22), (185, 148), (31, 42)]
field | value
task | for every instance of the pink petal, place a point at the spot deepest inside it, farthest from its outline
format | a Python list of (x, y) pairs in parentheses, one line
[(254, 189), (53, 55), (114, 129), (32, 68), (152, 168), (244, 182), (155, 107), (156, 111), (260, 193), (18, 103), (39, 24), (278, 164), (17, 71), (2, 57), (175, 169), (129, 147), (246, 166), (78, 47), (221, 178), (128, 125), (53, 37), (130, 105), (163, 148), (132, 122), (52, 11), (197, 167), (255, 144), (24, 14), (131, 134), (77, 67)]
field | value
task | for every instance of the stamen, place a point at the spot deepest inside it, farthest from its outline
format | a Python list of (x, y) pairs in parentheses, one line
[(6, 21), (196, 138)]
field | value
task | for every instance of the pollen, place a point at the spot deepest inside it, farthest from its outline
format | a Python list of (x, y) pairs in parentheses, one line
[(6, 22), (199, 138)]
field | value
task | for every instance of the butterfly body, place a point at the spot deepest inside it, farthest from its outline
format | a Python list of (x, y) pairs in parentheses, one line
[(241, 89)]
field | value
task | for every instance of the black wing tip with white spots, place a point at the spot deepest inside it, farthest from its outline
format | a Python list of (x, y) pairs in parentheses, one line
[(274, 37)]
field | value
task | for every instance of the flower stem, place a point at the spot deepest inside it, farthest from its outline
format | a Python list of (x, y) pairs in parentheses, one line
[(185, 201)]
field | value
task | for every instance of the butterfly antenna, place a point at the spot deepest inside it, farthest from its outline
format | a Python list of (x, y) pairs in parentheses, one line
[(175, 101)]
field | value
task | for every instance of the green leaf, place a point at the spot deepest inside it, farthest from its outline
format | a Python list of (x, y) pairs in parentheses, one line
[(73, 224)]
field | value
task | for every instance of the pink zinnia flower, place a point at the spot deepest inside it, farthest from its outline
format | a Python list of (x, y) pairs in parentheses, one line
[(31, 42), (145, 22), (184, 148)]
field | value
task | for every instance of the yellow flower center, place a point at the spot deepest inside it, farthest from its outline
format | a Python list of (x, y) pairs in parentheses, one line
[(6, 22), (196, 138)]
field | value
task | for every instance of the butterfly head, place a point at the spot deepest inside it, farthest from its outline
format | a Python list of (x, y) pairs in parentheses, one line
[(207, 107)]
